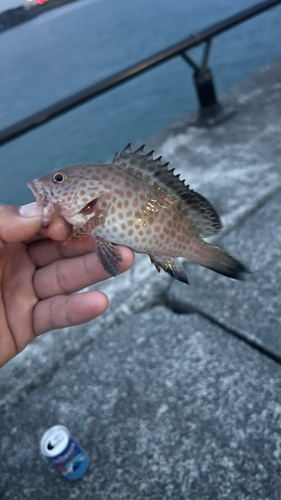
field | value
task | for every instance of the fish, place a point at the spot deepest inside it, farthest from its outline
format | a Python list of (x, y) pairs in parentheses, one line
[(139, 202)]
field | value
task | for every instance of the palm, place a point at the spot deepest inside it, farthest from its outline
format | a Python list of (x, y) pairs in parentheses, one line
[(37, 281), (18, 298)]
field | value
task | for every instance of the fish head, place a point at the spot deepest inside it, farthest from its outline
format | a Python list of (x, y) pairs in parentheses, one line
[(72, 192)]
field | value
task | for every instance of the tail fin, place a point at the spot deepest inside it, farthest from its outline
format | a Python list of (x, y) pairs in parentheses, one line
[(217, 260)]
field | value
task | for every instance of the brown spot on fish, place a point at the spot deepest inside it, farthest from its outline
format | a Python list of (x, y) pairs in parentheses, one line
[(131, 232), (121, 215), (126, 203), (129, 194), (130, 222)]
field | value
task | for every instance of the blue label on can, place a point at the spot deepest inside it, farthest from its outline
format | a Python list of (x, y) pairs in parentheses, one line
[(72, 462)]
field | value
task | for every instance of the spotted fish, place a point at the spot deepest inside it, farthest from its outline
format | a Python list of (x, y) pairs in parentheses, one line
[(138, 202)]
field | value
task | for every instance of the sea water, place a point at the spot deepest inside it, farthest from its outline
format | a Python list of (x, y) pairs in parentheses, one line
[(71, 47)]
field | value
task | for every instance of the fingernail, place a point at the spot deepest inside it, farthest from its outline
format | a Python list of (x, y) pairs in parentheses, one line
[(31, 210)]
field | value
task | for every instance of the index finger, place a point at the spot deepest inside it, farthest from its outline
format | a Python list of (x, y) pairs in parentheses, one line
[(58, 230)]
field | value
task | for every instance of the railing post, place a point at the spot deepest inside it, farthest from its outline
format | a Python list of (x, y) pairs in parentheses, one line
[(205, 89), (210, 112)]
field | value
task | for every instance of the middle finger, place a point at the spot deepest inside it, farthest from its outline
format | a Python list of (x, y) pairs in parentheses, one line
[(44, 252), (71, 275)]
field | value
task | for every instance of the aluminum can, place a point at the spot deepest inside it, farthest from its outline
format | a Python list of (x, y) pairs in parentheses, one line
[(59, 447)]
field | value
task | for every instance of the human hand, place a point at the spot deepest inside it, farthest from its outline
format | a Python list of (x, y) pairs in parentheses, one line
[(38, 275)]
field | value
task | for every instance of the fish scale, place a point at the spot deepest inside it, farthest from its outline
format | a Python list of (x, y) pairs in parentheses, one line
[(137, 202)]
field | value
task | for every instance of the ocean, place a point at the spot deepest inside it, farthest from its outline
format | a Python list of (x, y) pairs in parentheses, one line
[(68, 48)]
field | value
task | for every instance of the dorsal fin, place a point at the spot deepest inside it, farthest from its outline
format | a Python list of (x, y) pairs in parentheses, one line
[(194, 205)]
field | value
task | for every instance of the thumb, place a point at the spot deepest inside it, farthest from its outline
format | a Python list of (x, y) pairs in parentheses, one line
[(19, 224)]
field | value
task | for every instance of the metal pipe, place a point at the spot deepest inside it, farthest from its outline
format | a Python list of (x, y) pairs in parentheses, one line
[(85, 95), (206, 53), (190, 61)]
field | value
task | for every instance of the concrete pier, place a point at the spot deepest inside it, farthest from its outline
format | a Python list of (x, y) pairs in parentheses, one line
[(175, 392)]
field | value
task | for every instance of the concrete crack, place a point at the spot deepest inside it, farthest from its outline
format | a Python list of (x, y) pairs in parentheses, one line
[(179, 307)]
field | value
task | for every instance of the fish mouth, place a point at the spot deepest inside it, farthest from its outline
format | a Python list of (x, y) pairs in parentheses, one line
[(40, 193), (44, 200)]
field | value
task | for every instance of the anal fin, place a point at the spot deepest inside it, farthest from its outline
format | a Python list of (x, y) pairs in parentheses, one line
[(171, 266), (108, 255)]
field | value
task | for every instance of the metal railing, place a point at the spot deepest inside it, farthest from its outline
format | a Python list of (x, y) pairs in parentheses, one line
[(210, 108)]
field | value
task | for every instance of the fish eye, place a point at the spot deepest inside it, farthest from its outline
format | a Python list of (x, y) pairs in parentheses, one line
[(59, 177)]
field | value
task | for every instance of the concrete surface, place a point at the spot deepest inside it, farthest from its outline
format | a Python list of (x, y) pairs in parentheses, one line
[(165, 407), (251, 308), (181, 406)]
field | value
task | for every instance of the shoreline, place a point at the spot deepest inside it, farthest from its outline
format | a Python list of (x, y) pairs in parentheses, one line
[(15, 17)]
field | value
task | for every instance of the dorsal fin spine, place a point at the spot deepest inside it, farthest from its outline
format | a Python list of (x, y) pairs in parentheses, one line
[(140, 150), (158, 160), (150, 154), (127, 149)]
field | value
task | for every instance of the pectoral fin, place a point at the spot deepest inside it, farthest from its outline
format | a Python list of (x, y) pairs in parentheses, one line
[(108, 255), (171, 266), (88, 228), (98, 208)]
